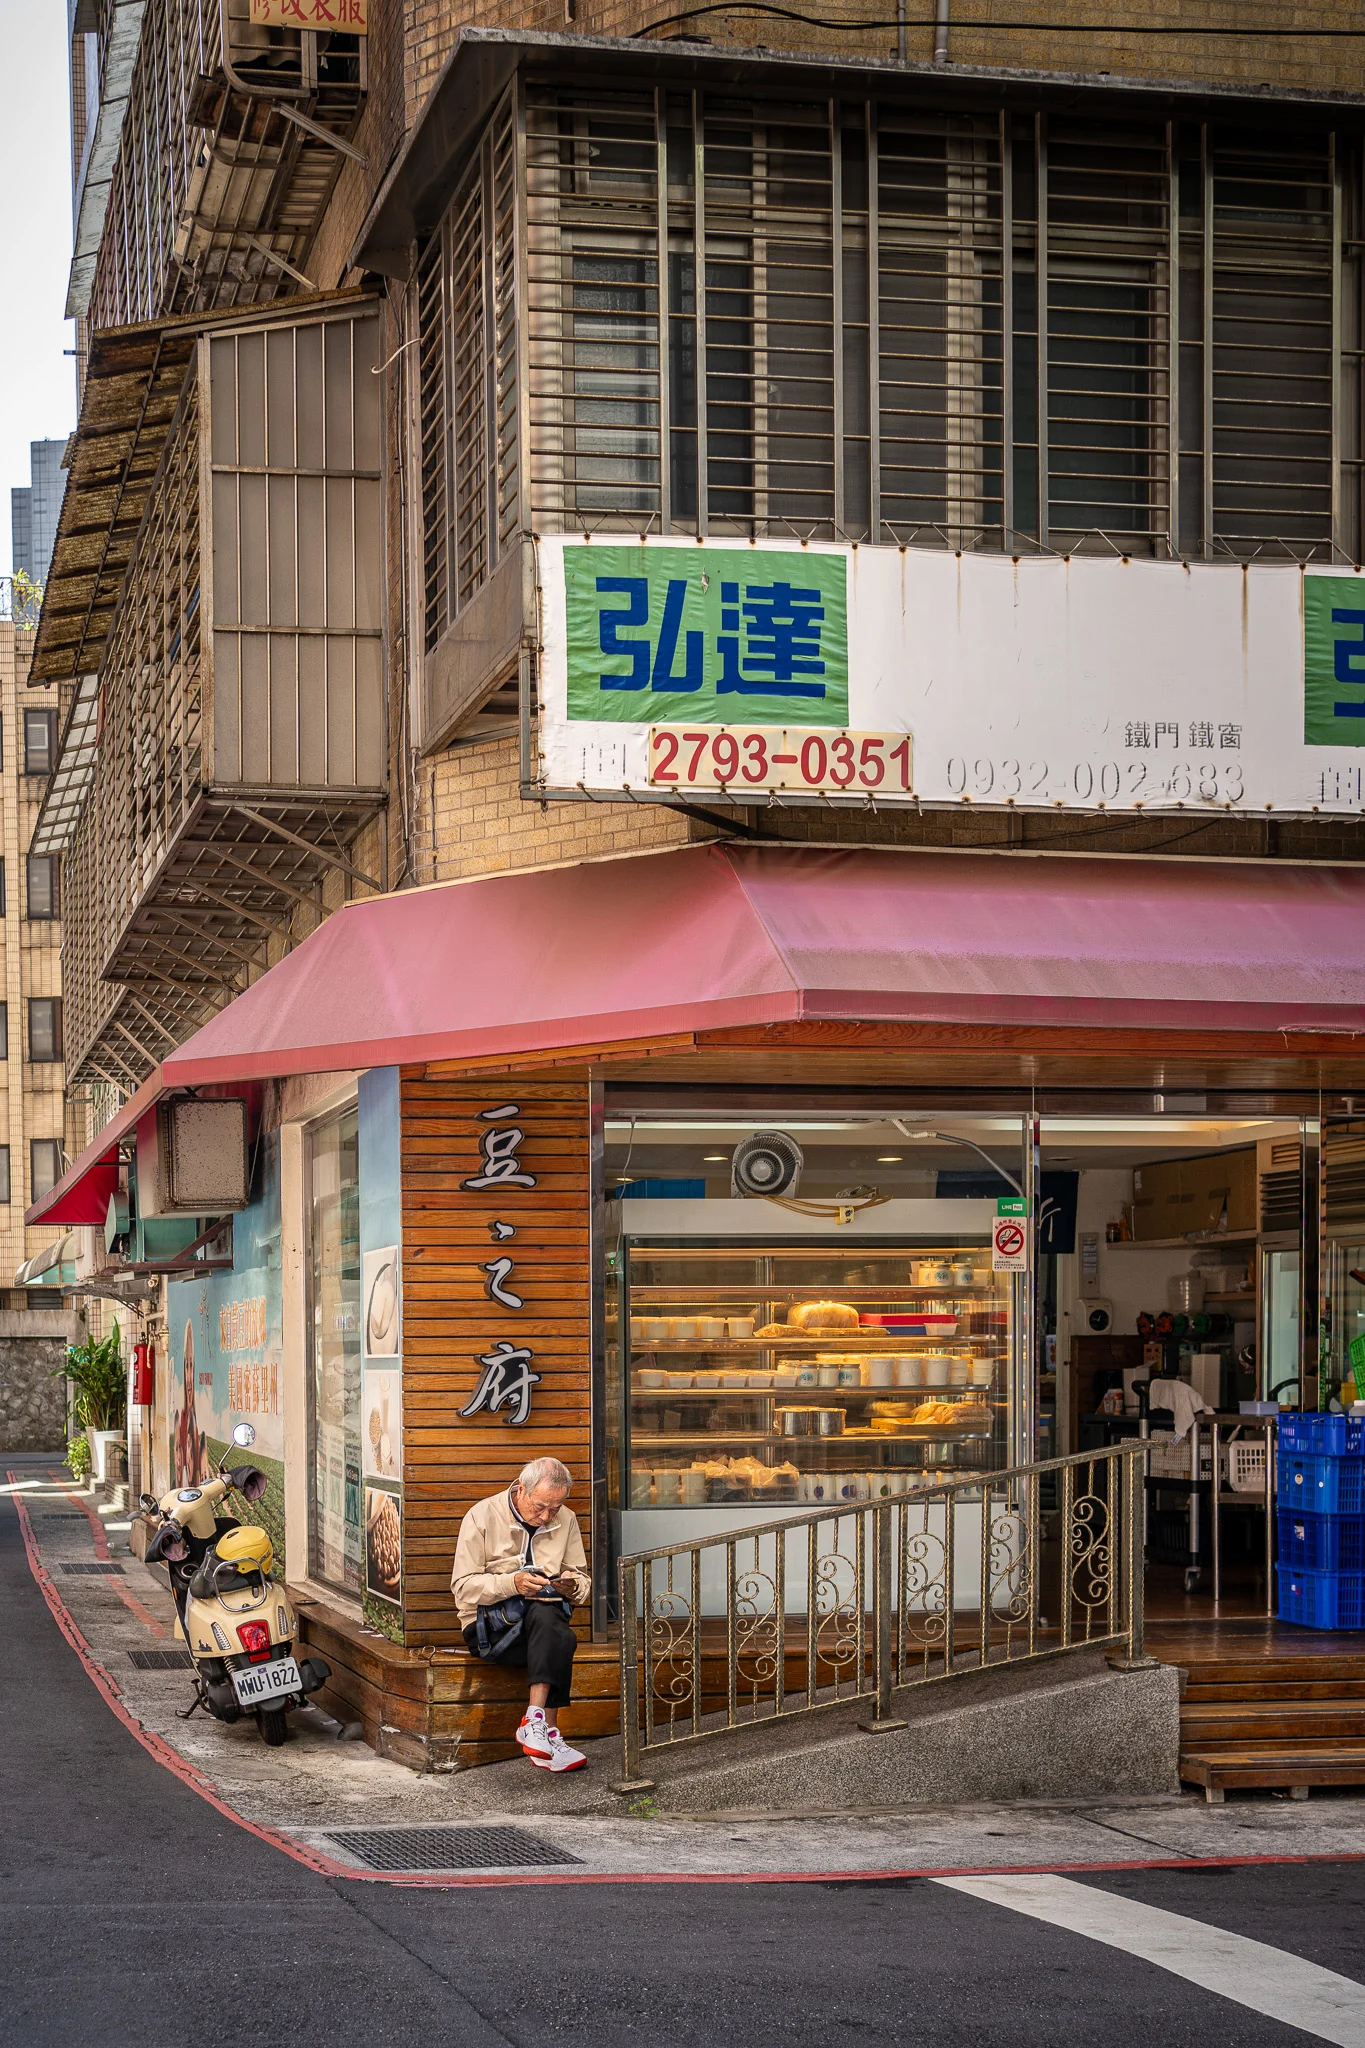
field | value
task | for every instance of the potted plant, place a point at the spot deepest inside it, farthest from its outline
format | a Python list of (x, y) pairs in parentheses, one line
[(99, 1377)]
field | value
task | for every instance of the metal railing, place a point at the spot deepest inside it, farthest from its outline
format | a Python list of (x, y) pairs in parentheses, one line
[(21, 600), (794, 1617)]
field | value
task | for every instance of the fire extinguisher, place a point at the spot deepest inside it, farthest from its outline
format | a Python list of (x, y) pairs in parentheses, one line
[(144, 1375)]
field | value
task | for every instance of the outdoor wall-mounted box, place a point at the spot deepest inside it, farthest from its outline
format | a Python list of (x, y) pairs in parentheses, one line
[(192, 1158)]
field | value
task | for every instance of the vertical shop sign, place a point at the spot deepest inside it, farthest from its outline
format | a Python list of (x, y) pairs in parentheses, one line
[(508, 1376), (381, 1324)]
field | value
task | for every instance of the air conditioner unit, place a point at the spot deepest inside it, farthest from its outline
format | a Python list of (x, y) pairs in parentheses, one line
[(192, 1158)]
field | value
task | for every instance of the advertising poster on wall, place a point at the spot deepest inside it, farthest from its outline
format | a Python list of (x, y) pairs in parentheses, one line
[(817, 672), (226, 1355), (381, 1386)]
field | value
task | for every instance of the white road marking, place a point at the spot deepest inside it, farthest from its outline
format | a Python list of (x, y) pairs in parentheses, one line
[(1251, 1973)]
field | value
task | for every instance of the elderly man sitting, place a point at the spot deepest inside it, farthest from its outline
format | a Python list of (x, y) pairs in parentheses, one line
[(526, 1542)]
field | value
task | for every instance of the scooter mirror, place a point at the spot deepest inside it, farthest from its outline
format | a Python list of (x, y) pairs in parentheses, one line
[(147, 1502), (244, 1434)]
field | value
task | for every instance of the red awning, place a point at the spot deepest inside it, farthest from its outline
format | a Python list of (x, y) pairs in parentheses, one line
[(710, 937), (82, 1194)]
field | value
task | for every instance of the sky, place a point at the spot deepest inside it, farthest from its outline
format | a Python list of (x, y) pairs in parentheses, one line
[(37, 382)]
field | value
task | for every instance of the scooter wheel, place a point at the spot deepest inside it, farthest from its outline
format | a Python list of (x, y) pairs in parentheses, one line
[(273, 1723)]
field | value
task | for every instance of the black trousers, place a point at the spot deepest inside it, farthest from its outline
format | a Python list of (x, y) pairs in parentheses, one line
[(545, 1646)]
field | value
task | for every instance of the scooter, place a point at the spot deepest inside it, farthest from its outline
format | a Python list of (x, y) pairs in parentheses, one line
[(236, 1623)]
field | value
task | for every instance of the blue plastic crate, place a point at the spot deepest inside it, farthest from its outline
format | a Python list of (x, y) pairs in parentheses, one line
[(1321, 1543), (1314, 1485), (1321, 1599), (1327, 1436)]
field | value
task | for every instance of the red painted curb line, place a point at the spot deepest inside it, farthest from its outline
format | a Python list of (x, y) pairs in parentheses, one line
[(312, 1859)]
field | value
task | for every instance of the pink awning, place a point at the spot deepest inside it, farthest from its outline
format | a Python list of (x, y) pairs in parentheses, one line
[(709, 937)]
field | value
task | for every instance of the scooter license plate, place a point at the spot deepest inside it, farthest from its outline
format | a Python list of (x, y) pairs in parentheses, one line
[(262, 1682)]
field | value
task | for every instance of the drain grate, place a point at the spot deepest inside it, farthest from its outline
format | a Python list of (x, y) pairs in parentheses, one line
[(445, 1848), (115, 1569), (47, 1516), (162, 1660)]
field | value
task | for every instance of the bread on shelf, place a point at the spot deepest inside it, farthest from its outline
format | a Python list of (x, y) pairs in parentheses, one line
[(812, 1317)]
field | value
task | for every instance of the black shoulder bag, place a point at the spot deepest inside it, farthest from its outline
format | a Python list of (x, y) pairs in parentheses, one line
[(497, 1627)]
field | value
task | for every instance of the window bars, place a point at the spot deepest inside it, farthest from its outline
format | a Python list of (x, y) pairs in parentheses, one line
[(870, 354)]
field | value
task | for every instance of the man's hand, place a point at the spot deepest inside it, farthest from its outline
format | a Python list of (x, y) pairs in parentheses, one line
[(529, 1584)]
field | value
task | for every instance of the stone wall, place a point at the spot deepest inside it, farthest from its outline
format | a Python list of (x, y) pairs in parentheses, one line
[(32, 1403)]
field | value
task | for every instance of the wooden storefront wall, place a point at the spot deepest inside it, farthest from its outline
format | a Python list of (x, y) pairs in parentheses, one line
[(450, 1322)]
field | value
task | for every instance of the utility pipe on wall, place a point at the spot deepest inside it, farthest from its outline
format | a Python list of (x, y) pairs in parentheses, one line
[(941, 32)]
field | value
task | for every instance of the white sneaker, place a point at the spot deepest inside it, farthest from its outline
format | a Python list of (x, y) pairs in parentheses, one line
[(534, 1736), (560, 1756)]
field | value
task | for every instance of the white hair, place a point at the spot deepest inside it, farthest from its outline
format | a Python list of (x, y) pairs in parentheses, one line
[(545, 1472)]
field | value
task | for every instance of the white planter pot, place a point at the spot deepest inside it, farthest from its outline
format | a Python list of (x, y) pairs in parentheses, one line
[(99, 1441)]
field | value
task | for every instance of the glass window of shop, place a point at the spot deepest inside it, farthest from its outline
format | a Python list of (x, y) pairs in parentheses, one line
[(804, 1305), (798, 1313), (334, 1536)]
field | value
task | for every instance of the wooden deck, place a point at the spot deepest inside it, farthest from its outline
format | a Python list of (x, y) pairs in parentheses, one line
[(1264, 1704)]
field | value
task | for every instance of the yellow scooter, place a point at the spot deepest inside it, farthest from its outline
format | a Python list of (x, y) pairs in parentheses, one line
[(237, 1624)]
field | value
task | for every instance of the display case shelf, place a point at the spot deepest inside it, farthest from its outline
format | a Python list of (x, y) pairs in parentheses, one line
[(720, 1279)]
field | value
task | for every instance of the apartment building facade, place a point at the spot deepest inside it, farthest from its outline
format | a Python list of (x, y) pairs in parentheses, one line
[(863, 469)]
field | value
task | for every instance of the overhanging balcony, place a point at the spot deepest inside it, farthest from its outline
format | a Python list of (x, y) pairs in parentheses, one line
[(219, 569)]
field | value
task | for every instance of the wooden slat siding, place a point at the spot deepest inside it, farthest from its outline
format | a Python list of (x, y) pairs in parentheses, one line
[(450, 1462)]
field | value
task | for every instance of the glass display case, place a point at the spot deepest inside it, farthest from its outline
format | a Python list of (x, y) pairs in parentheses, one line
[(800, 1372)]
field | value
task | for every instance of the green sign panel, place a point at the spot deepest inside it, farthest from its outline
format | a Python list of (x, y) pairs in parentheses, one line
[(1334, 661), (719, 636), (1011, 1205)]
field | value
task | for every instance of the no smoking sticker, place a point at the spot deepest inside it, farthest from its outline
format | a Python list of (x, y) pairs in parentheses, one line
[(1007, 1245)]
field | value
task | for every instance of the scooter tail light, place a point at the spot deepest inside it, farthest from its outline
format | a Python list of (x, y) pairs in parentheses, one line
[(253, 1635)]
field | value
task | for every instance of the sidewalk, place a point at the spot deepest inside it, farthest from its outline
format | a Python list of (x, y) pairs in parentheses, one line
[(317, 1784)]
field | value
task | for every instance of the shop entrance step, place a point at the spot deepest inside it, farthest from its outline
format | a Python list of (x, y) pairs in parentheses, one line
[(1268, 1768)]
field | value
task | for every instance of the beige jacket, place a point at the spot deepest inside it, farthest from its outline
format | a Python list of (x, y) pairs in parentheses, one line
[(491, 1549)]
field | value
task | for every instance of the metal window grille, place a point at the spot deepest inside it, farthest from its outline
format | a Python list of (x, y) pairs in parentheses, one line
[(150, 758), (966, 329), (467, 347)]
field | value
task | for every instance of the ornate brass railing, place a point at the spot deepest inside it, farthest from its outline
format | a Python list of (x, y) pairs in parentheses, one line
[(794, 1617)]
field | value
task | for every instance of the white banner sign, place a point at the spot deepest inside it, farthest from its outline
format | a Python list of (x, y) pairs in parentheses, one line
[(776, 672)]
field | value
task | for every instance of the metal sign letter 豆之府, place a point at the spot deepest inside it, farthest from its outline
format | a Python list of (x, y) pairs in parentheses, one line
[(507, 1377)]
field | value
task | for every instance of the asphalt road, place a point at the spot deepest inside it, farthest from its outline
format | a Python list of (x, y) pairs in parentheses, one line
[(131, 1912)]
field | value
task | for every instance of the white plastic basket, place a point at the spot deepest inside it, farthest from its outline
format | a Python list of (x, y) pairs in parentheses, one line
[(1168, 1459), (1246, 1467)]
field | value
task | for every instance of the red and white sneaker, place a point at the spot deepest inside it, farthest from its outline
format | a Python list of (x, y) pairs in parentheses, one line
[(561, 1756), (534, 1736)]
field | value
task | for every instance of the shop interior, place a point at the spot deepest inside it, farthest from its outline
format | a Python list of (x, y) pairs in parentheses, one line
[(802, 1306)]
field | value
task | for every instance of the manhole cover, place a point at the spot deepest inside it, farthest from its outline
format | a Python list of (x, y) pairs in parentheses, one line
[(162, 1660), (116, 1569), (445, 1848)]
